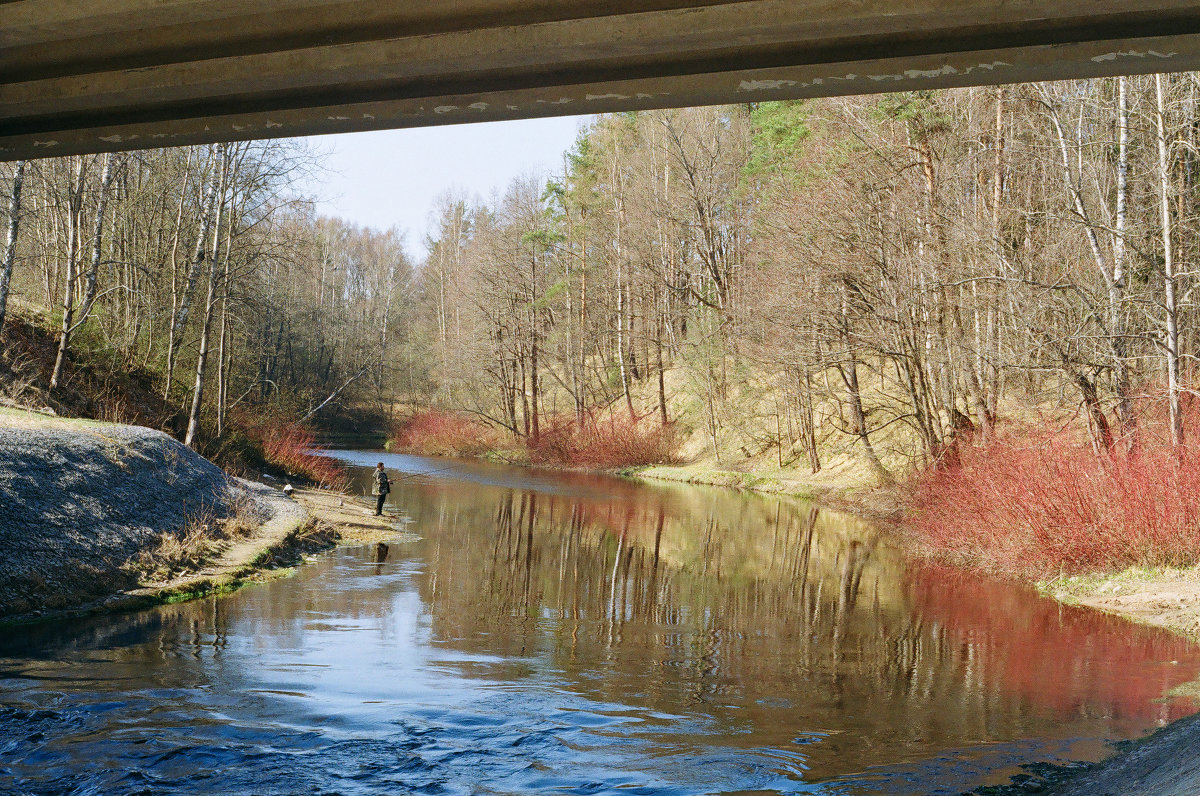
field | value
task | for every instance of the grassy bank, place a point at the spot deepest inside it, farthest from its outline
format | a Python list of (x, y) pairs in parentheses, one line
[(853, 492), (641, 446)]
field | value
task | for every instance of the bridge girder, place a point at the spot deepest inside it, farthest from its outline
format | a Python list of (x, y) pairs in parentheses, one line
[(126, 74)]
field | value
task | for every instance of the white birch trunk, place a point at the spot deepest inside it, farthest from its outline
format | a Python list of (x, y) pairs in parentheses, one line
[(1164, 195), (10, 244)]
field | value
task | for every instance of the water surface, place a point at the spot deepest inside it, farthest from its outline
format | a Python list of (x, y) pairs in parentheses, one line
[(560, 633)]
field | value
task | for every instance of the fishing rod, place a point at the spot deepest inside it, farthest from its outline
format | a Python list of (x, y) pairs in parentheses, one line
[(427, 472)]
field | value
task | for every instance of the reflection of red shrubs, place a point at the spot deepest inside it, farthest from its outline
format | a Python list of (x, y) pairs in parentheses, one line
[(292, 448), (1035, 504), (1062, 658), (606, 443), (434, 432)]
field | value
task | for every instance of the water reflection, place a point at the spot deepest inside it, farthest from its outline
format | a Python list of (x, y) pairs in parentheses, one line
[(782, 622), (574, 634)]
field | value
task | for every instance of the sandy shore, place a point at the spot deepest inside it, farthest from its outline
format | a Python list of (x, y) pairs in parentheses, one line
[(351, 519), (1165, 598)]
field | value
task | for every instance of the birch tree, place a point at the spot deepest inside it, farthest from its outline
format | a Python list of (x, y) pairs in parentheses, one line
[(10, 242)]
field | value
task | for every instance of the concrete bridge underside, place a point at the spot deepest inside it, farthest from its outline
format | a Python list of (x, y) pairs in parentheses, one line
[(92, 75)]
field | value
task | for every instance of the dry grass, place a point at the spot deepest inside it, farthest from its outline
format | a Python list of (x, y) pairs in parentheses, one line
[(189, 550), (314, 535)]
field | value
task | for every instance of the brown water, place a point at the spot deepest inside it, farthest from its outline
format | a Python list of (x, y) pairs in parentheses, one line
[(561, 633)]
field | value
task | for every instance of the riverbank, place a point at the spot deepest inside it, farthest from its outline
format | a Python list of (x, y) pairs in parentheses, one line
[(98, 516), (1164, 597), (843, 491), (270, 551), (1167, 598), (1162, 764), (351, 519)]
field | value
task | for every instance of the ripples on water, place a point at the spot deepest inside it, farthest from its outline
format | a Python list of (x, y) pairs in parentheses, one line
[(572, 634)]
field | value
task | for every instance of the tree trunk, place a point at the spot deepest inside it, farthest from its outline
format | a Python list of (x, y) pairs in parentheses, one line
[(180, 319), (1116, 290), (89, 290), (534, 388), (74, 212), (859, 418), (223, 358), (10, 244), (662, 387), (210, 302), (1172, 341), (808, 422)]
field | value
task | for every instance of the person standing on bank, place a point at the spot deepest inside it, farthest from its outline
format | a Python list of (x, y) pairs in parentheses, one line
[(381, 488)]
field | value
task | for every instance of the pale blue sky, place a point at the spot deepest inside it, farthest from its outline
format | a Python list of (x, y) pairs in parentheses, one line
[(393, 177)]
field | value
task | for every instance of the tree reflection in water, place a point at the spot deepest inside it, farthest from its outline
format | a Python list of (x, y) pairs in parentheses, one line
[(780, 620)]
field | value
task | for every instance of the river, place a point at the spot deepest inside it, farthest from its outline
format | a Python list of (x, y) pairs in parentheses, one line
[(542, 632)]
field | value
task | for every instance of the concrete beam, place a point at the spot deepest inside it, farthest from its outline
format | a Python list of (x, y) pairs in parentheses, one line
[(125, 74)]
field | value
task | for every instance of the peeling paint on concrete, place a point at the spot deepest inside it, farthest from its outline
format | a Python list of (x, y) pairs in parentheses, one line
[(595, 97), (478, 106), (269, 124), (912, 74), (45, 144), (112, 139), (945, 70), (445, 108), (1132, 54), (765, 85), (990, 66)]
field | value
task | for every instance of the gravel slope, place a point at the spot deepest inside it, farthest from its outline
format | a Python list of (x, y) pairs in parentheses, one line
[(78, 500), (1165, 764)]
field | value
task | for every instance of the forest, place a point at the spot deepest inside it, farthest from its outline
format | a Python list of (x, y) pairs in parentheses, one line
[(205, 273), (861, 287), (875, 276)]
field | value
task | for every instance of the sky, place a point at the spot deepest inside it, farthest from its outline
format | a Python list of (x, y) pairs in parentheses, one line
[(394, 177)]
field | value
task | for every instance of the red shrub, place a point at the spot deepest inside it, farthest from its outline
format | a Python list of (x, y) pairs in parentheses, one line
[(292, 448), (433, 432), (1038, 504), (604, 443)]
